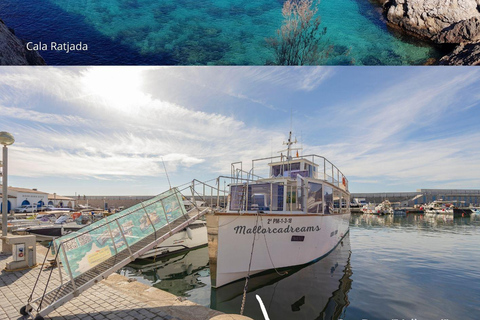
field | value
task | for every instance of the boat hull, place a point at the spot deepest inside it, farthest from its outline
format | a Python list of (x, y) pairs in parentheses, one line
[(461, 212), (180, 241), (281, 241)]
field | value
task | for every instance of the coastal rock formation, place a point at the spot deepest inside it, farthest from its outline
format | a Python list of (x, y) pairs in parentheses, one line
[(460, 32), (13, 51), (426, 18), (440, 21), (464, 54)]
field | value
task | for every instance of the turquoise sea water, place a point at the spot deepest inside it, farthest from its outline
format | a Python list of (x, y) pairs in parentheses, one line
[(204, 32), (386, 268)]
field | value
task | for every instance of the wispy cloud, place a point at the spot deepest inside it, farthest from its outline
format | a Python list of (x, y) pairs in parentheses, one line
[(112, 123)]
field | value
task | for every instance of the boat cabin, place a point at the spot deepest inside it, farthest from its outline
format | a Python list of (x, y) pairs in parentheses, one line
[(294, 186), (292, 168)]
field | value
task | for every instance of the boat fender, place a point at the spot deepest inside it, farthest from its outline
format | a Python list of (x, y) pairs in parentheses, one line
[(189, 233)]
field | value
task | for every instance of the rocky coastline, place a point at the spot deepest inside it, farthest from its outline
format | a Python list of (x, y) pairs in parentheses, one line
[(447, 23), (13, 50)]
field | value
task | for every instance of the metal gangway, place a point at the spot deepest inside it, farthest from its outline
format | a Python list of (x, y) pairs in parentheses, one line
[(101, 248)]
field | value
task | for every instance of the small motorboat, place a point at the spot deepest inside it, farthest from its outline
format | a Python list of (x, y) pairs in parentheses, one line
[(62, 226)]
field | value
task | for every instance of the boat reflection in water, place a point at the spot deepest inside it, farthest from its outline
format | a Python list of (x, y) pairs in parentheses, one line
[(177, 274), (409, 220), (316, 291)]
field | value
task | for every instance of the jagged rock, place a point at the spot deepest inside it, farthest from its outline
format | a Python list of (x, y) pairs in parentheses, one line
[(464, 54), (426, 18), (460, 32), (13, 50)]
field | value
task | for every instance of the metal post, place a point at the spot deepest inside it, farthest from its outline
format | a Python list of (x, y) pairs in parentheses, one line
[(58, 265), (324, 169), (218, 192), (165, 213), (148, 217), (193, 193), (123, 236), (111, 236), (4, 192), (68, 268)]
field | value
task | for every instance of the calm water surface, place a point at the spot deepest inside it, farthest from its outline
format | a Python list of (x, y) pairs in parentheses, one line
[(386, 268), (204, 32)]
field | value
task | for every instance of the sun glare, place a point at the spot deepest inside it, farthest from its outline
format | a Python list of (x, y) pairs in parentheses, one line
[(118, 88)]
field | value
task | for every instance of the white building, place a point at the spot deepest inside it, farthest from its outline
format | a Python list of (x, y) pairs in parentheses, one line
[(60, 201), (22, 196)]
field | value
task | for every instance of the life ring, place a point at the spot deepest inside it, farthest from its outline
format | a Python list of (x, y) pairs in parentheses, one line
[(20, 254), (344, 181)]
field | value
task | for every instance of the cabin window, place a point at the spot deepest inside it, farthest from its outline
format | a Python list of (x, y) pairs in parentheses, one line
[(314, 199), (336, 201), (328, 198), (277, 171), (286, 169), (294, 166), (261, 197), (344, 203)]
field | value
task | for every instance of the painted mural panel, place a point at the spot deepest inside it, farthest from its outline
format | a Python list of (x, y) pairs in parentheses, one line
[(103, 239)]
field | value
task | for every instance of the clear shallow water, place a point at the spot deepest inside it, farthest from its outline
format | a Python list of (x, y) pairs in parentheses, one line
[(205, 32), (386, 268)]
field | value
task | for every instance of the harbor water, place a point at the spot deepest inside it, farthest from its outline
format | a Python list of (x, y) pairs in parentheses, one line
[(387, 267), (201, 32)]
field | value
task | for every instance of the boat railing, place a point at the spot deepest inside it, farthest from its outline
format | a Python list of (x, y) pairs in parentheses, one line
[(327, 171)]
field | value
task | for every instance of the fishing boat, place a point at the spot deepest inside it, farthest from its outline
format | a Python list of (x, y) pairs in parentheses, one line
[(194, 236), (294, 216)]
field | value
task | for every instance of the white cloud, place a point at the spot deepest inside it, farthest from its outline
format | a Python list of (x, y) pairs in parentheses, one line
[(101, 122)]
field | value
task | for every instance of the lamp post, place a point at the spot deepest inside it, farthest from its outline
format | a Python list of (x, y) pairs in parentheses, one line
[(6, 139)]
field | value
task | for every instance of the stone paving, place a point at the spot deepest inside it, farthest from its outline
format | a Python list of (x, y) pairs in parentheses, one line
[(113, 298)]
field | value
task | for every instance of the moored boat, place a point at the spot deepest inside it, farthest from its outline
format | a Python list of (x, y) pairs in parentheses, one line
[(369, 208), (194, 236), (453, 208), (296, 215), (384, 208)]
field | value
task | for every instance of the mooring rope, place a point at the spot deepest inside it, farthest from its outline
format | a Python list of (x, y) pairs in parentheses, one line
[(245, 288), (269, 256)]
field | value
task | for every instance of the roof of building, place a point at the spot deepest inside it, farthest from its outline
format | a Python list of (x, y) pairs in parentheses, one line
[(57, 197), (25, 190)]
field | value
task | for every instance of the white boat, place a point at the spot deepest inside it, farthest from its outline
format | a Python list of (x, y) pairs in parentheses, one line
[(369, 208), (456, 209), (295, 216), (194, 236), (438, 207), (384, 208)]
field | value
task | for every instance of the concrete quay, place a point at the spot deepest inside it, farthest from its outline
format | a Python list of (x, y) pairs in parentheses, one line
[(113, 298)]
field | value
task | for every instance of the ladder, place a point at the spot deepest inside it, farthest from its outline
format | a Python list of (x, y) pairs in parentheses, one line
[(126, 249)]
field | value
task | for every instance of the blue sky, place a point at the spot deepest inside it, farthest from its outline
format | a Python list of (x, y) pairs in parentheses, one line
[(105, 130)]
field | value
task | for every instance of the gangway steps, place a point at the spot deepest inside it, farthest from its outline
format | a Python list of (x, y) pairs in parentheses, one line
[(58, 296)]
